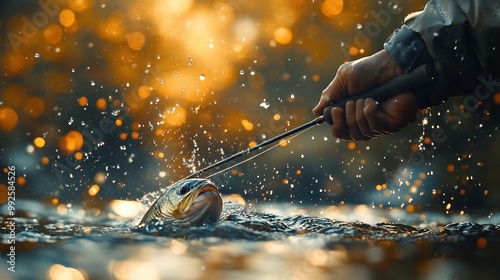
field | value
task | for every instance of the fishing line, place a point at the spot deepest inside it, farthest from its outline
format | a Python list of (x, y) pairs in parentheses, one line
[(258, 154)]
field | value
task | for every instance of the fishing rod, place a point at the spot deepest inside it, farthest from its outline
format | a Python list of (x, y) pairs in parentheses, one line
[(405, 82)]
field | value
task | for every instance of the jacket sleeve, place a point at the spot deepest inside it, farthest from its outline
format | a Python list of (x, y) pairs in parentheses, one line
[(458, 39)]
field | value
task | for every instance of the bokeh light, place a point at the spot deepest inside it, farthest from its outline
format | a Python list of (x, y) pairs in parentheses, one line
[(332, 7), (71, 142), (67, 17), (8, 118), (134, 90)]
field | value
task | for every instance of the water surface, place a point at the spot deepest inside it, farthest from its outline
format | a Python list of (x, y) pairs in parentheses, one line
[(268, 241)]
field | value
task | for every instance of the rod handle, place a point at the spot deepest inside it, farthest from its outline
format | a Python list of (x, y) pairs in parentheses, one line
[(392, 88)]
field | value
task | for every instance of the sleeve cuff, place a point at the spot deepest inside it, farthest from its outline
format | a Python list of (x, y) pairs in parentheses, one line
[(407, 49)]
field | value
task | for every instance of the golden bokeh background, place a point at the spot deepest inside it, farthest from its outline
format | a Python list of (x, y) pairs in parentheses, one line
[(111, 99)]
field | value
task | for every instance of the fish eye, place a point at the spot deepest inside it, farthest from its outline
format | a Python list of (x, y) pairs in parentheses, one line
[(184, 189)]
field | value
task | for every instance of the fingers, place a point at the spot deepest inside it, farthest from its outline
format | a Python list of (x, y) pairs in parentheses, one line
[(365, 119), (339, 129), (360, 121), (351, 123), (356, 121)]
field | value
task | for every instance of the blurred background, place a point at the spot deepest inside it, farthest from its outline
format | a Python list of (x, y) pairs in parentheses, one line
[(103, 100)]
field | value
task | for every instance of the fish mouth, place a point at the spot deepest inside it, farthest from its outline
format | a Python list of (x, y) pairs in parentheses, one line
[(202, 205)]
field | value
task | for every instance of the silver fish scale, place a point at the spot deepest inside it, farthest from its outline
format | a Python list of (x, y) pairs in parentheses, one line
[(154, 212)]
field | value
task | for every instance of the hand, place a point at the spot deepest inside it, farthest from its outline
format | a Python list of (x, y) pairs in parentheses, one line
[(365, 119)]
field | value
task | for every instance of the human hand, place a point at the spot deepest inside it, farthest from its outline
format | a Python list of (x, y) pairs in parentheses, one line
[(365, 119)]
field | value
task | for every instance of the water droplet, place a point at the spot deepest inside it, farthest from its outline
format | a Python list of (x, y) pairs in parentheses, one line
[(202, 77), (37, 55), (242, 72), (265, 104)]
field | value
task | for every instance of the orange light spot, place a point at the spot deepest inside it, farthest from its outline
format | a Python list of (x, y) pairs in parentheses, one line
[(252, 144), (83, 101), (39, 142), (177, 117), (78, 156), (351, 145), (414, 147), (21, 181), (332, 8), (481, 243), (276, 117), (4, 193), (143, 92), (496, 98), (282, 35), (159, 132), (134, 135), (34, 106), (8, 118), (79, 5), (298, 172), (427, 140), (15, 63), (410, 208), (71, 142), (422, 176), (353, 51), (135, 126), (67, 17), (118, 122), (53, 34), (136, 40), (316, 78), (123, 136), (247, 125), (93, 190), (450, 168), (285, 181), (45, 161), (55, 201), (101, 104), (283, 142)]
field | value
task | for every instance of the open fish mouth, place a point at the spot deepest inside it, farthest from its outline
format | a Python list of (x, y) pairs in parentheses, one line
[(202, 205)]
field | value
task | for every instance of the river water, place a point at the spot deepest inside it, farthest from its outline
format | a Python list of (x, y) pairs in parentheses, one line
[(264, 241)]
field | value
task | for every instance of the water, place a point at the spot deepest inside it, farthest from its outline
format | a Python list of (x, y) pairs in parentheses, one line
[(267, 241)]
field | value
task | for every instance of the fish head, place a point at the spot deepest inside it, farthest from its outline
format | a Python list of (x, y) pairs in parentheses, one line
[(196, 201)]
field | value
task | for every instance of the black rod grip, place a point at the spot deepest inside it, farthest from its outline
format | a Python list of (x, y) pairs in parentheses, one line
[(392, 88)]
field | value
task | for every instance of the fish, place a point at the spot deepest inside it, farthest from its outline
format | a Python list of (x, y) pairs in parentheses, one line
[(195, 201)]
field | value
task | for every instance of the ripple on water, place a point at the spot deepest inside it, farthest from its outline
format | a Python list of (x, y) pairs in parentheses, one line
[(250, 243)]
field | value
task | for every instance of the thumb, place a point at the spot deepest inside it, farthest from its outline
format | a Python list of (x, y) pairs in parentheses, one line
[(324, 101)]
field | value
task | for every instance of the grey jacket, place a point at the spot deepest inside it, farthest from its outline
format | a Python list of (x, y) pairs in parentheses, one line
[(458, 39)]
